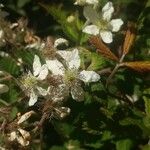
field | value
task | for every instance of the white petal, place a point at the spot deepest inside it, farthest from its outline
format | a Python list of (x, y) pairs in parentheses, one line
[(43, 72), (106, 36), (25, 116), (22, 141), (107, 11), (12, 136), (116, 24), (89, 76), (33, 98), (55, 67), (72, 58), (91, 29), (77, 92), (36, 65), (60, 41), (91, 14), (42, 91), (24, 133)]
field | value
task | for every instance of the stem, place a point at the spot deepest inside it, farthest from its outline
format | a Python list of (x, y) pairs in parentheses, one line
[(115, 70)]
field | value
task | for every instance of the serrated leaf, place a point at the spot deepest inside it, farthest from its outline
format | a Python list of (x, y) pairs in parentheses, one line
[(102, 48), (9, 65), (140, 66), (125, 144)]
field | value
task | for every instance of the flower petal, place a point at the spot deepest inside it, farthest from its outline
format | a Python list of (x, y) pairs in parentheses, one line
[(106, 36), (12, 136), (55, 67), (107, 11), (72, 58), (42, 91), (91, 14), (43, 72), (36, 65), (25, 134), (77, 92), (25, 116), (116, 24), (60, 41), (91, 29), (33, 98), (89, 76), (22, 141)]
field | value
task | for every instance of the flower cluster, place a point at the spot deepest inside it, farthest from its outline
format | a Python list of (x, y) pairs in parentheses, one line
[(101, 23), (56, 74), (67, 72)]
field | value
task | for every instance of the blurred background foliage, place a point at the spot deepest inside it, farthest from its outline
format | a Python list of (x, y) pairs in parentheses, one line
[(103, 121)]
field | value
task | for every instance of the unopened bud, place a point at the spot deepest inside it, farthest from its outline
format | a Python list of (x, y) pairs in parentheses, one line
[(70, 19)]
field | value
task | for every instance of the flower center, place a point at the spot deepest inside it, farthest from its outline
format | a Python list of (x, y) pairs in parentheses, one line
[(70, 76), (102, 24), (29, 81)]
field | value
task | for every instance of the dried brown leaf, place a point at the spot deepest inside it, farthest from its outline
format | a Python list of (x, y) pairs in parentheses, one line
[(102, 48), (141, 66), (129, 38)]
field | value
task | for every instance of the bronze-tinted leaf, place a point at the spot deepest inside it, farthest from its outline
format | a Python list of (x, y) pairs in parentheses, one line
[(141, 66), (129, 38), (102, 48)]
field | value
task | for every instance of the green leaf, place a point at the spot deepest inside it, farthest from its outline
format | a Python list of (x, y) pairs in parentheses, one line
[(22, 3), (57, 148), (107, 135), (97, 62), (125, 144), (147, 106), (9, 65), (71, 30)]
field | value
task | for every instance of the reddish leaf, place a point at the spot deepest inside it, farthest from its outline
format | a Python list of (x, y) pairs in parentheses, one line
[(102, 48), (129, 38), (141, 66)]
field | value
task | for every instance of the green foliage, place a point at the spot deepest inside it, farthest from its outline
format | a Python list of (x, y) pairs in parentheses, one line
[(114, 114), (124, 144)]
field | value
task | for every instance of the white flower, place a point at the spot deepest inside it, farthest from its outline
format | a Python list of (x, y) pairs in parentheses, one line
[(70, 73), (102, 24), (83, 2), (30, 82)]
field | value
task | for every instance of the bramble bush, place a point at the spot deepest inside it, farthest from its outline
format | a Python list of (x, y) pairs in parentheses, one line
[(74, 75)]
